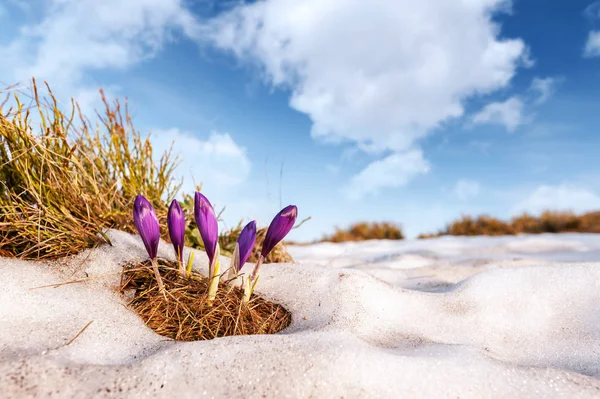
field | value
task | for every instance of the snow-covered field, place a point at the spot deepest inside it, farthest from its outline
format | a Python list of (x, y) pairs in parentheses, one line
[(511, 317)]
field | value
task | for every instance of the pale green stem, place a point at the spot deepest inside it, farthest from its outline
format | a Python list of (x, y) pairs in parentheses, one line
[(188, 270), (214, 282), (252, 280), (249, 289), (180, 262)]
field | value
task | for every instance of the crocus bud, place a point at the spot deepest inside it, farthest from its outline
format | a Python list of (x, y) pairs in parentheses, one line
[(176, 224), (280, 226), (146, 223), (245, 243), (206, 220)]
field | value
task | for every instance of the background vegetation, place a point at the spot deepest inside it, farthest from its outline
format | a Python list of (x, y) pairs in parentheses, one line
[(64, 182), (547, 222), (366, 231)]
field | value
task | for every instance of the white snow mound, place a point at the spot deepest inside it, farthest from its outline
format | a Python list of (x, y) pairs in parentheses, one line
[(515, 317)]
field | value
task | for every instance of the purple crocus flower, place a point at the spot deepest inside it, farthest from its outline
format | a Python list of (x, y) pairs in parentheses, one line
[(206, 220), (245, 244), (146, 223), (280, 226), (176, 224)]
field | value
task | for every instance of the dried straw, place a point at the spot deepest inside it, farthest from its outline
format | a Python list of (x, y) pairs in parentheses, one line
[(186, 315)]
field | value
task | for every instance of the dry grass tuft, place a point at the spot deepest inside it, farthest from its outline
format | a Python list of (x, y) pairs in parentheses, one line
[(547, 222), (367, 231), (64, 183), (187, 316)]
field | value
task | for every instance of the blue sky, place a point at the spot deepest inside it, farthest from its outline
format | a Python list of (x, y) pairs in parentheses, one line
[(352, 110)]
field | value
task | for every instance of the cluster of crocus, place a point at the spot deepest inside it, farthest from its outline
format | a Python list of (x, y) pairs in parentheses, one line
[(147, 225)]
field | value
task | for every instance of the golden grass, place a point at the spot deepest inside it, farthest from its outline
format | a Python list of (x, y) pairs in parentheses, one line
[(186, 315), (366, 231), (63, 183), (547, 222)]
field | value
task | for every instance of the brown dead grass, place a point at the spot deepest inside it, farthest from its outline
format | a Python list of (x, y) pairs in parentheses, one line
[(63, 183), (547, 222), (366, 231), (187, 316)]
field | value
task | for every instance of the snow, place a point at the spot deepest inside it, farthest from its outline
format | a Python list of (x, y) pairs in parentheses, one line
[(478, 317)]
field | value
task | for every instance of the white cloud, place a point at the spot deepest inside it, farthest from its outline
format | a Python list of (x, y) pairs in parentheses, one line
[(218, 162), (592, 46), (465, 189), (511, 113), (544, 88), (380, 73), (392, 171), (508, 113), (76, 37), (562, 197)]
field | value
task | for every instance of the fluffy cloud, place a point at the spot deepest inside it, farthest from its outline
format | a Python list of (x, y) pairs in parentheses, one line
[(465, 189), (76, 37), (373, 72), (381, 74), (508, 113), (511, 113), (392, 171), (218, 162), (592, 46), (561, 197)]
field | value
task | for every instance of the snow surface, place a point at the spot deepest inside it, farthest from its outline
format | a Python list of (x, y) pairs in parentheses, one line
[(509, 317)]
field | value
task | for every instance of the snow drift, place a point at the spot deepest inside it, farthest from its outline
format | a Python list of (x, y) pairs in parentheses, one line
[(448, 317)]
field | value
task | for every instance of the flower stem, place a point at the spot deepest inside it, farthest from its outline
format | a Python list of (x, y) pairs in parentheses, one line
[(257, 268), (214, 282), (188, 269), (249, 289), (180, 261), (161, 286), (252, 280)]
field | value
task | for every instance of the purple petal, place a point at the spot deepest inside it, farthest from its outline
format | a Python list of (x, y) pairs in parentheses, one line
[(246, 242), (176, 224), (146, 223), (206, 220), (280, 226)]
